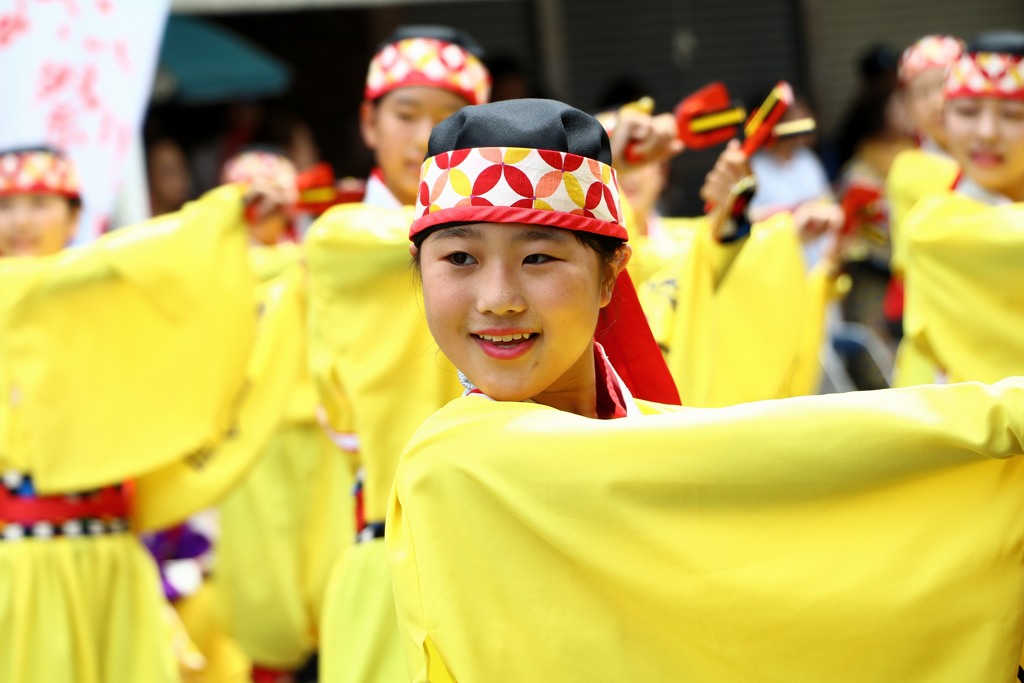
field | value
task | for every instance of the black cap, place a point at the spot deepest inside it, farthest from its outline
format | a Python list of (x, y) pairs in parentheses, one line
[(444, 33), (1004, 42), (530, 123)]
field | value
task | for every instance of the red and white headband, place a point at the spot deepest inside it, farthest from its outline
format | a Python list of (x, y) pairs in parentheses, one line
[(930, 52), (519, 185), (428, 62), (38, 171), (987, 74), (269, 169)]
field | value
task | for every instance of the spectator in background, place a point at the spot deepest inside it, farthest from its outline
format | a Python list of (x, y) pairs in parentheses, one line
[(292, 134), (242, 121), (170, 182), (877, 66), (508, 79)]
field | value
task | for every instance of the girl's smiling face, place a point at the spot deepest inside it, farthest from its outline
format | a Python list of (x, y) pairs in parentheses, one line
[(515, 308), (986, 136), (397, 127), (35, 224)]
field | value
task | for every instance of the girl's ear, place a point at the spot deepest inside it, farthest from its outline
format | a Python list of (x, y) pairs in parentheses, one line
[(413, 251), (618, 263), (368, 123)]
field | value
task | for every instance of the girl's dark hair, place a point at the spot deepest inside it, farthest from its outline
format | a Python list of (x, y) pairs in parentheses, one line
[(604, 245), (865, 119)]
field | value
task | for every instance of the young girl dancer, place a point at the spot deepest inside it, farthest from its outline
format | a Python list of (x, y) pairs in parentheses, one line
[(549, 525)]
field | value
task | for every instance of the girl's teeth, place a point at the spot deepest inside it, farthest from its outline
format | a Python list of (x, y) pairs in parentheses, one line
[(506, 337)]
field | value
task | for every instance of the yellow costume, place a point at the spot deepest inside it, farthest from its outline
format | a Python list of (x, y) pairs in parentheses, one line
[(964, 311), (121, 359), (380, 375), (739, 321), (871, 536), (915, 174), (290, 516)]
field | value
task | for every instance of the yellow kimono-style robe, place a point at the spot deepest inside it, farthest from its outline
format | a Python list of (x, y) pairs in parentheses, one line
[(965, 310), (914, 175), (291, 514), (742, 321), (117, 360), (379, 374), (869, 536)]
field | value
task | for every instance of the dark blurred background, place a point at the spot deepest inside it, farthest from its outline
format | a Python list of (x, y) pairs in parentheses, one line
[(589, 53)]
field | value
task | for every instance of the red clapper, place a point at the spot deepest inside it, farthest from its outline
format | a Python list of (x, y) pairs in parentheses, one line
[(704, 119)]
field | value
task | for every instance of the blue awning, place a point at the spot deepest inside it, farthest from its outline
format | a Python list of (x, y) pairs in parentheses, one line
[(202, 63)]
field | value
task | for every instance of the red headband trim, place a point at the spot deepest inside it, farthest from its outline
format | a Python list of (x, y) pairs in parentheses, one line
[(930, 52), (38, 171), (428, 62), (987, 74)]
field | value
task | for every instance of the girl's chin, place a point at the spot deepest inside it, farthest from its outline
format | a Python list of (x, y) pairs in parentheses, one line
[(504, 389)]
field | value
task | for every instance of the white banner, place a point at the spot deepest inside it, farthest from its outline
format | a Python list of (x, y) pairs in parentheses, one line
[(76, 74)]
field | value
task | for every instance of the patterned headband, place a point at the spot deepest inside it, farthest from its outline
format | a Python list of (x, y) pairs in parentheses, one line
[(930, 52), (519, 185), (429, 62), (39, 171), (257, 166), (987, 74)]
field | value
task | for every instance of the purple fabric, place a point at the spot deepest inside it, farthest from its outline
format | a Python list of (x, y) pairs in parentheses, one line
[(181, 542)]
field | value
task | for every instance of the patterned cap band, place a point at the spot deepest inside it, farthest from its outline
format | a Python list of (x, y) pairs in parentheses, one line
[(430, 62), (987, 74), (519, 185), (41, 171), (266, 168), (930, 52)]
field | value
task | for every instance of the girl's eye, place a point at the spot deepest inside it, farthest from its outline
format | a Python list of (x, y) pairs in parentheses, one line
[(966, 110), (460, 258), (1013, 114), (536, 259), (405, 116)]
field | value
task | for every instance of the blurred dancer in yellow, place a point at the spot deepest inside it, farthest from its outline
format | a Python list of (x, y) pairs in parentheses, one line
[(737, 311), (290, 516), (965, 247), (918, 173), (549, 525), (123, 361), (378, 371)]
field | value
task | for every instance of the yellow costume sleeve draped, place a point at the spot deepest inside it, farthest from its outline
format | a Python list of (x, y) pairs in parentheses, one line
[(375, 361), (275, 368), (914, 175), (965, 308), (870, 536), (291, 513), (740, 322), (121, 357), (372, 350)]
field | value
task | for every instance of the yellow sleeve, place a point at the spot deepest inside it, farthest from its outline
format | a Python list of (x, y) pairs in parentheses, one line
[(914, 175), (736, 319), (120, 356), (963, 307), (276, 371), (850, 537), (372, 354)]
